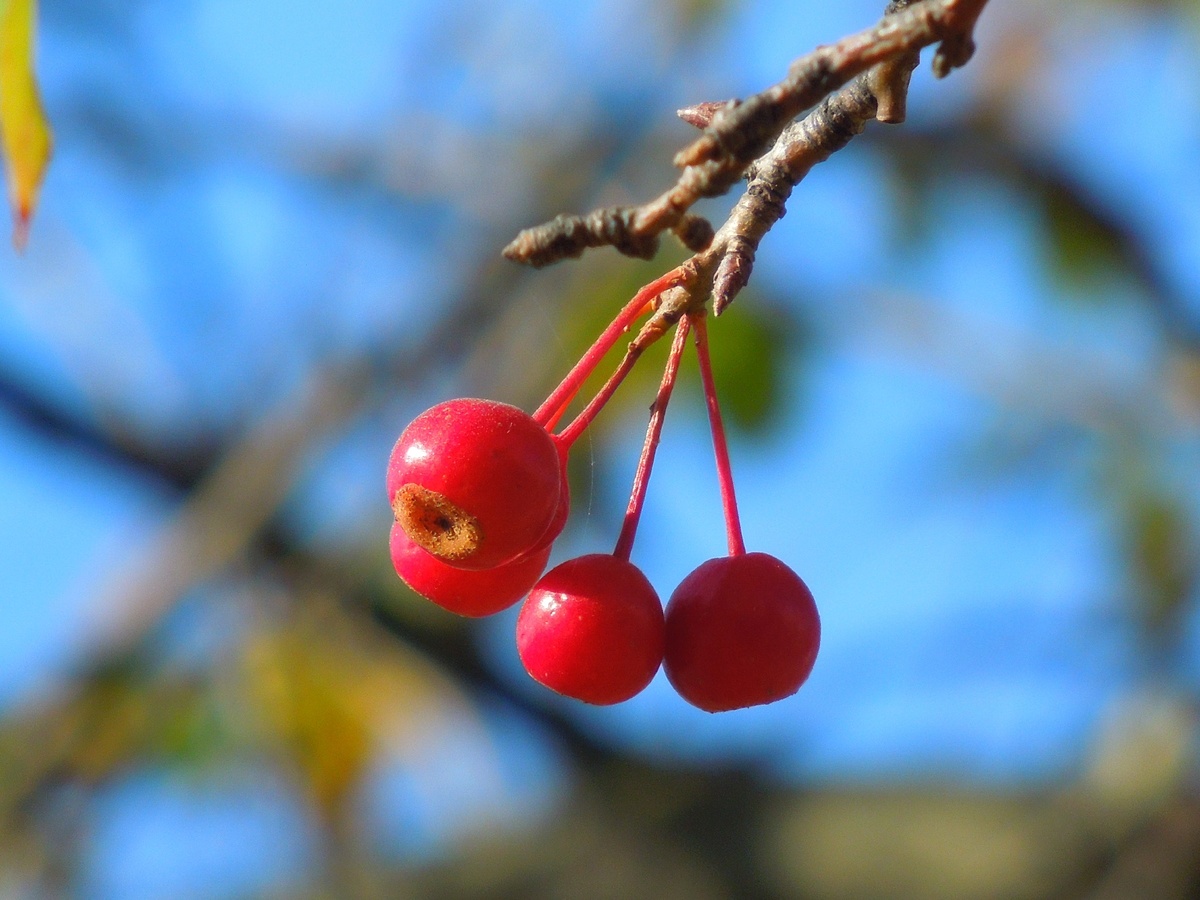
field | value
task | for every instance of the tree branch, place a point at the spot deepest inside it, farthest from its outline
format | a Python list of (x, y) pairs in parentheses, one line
[(739, 132)]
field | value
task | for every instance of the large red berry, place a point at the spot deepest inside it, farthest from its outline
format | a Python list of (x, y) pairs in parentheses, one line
[(592, 629), (740, 631), (476, 483), (464, 591)]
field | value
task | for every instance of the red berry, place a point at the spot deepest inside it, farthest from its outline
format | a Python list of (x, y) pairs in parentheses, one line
[(463, 591), (740, 631), (592, 629), (559, 522), (476, 483)]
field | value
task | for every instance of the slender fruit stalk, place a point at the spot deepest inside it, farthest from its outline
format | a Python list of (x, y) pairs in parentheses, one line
[(641, 478), (733, 522), (579, 373), (567, 437), (552, 421)]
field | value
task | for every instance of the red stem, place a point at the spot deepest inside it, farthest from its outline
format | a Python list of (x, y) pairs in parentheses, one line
[(571, 433), (552, 422), (641, 479), (554, 405), (733, 523)]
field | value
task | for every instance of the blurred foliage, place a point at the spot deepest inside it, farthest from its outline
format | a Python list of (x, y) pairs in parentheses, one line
[(1086, 250), (1164, 554), (327, 695), (700, 13)]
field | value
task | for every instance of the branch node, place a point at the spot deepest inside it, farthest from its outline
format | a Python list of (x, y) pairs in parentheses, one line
[(673, 304), (953, 53), (701, 114), (694, 232), (958, 44), (710, 145), (733, 273), (568, 236), (888, 81)]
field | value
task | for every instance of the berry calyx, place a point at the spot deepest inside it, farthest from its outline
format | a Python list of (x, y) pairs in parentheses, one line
[(592, 629), (740, 631), (463, 591), (475, 483)]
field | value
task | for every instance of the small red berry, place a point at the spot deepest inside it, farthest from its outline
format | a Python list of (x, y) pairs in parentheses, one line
[(592, 629), (475, 483), (740, 631), (464, 591)]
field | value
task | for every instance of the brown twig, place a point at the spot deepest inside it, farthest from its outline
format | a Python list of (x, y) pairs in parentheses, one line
[(737, 133), (830, 127), (728, 261)]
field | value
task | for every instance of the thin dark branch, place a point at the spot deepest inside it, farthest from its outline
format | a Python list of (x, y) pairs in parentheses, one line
[(25, 406)]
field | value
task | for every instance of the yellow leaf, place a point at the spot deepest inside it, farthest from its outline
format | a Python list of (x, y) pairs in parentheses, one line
[(23, 124)]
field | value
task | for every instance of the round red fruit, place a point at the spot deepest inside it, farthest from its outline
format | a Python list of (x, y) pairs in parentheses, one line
[(740, 631), (466, 592), (559, 522), (592, 629), (475, 483)]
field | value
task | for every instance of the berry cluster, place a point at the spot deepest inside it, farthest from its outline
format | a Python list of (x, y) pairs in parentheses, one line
[(479, 492)]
